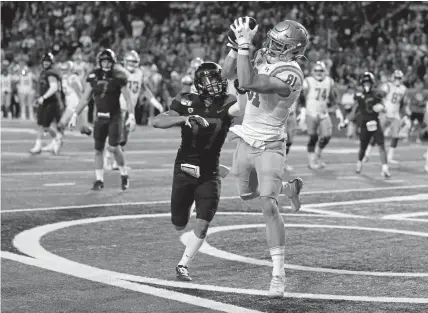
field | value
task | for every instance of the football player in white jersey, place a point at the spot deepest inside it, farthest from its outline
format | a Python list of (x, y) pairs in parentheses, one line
[(396, 111), (274, 83), (81, 67), (318, 92), (6, 89), (26, 92)]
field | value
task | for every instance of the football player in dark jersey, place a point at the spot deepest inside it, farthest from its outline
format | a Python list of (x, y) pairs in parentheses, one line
[(369, 104), (205, 118), (50, 104), (106, 84)]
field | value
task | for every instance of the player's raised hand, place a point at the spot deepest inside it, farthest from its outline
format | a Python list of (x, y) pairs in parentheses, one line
[(130, 122), (198, 119), (244, 34), (73, 121)]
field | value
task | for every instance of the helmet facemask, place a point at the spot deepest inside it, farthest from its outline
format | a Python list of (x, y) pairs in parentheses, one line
[(277, 50), (210, 85), (131, 64), (367, 86)]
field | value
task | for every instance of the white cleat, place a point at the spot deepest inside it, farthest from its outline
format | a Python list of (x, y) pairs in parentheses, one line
[(385, 173), (277, 287), (57, 146), (359, 167), (292, 190), (49, 147)]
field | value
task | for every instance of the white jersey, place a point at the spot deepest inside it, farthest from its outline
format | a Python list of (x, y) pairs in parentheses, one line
[(81, 69), (135, 81), (26, 82), (266, 114), (393, 99), (71, 96), (318, 93), (6, 83)]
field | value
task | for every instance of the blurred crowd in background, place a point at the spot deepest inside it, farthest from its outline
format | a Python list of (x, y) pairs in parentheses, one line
[(350, 37)]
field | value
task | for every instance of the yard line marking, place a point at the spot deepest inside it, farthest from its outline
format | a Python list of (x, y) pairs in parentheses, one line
[(404, 215), (308, 208), (59, 184), (316, 205), (28, 242), (212, 251), (110, 278)]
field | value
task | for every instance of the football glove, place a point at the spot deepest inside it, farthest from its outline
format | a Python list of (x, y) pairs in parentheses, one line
[(196, 118), (244, 34), (130, 122), (73, 121), (343, 124), (240, 90), (378, 107)]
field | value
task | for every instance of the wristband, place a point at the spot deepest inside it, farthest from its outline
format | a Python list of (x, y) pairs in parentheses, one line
[(243, 52)]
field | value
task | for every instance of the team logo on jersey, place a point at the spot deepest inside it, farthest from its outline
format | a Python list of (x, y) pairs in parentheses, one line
[(190, 110), (185, 102)]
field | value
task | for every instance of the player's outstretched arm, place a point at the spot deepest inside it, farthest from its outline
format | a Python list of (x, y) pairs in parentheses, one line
[(168, 119), (238, 108), (229, 66)]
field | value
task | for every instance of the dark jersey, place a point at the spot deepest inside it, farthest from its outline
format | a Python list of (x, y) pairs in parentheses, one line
[(365, 102), (202, 145), (106, 88), (44, 85)]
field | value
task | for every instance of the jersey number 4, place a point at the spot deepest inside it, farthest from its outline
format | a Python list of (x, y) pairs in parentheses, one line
[(212, 121), (321, 93)]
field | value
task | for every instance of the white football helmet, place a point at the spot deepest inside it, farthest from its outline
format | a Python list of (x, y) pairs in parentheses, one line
[(131, 61), (397, 77), (319, 71)]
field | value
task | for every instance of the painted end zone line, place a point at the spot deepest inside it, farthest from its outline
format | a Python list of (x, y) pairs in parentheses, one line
[(319, 205), (59, 184)]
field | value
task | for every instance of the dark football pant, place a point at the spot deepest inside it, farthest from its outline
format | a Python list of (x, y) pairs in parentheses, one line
[(47, 113), (108, 127), (366, 136), (186, 189)]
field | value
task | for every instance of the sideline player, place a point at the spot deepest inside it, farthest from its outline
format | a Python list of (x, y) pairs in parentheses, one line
[(395, 102), (369, 104), (50, 104), (106, 85), (205, 118), (25, 88), (318, 91), (274, 84)]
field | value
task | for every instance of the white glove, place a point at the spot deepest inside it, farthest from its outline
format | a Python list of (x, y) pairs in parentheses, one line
[(130, 122), (378, 107), (343, 124), (244, 34), (73, 121), (198, 119), (301, 119)]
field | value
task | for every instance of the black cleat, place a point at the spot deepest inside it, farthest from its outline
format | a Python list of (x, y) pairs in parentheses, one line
[(98, 185), (86, 130), (182, 273), (125, 182)]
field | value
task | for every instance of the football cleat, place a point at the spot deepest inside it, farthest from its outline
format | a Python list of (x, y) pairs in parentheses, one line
[(49, 147), (57, 146), (292, 190), (98, 185), (125, 182), (359, 167), (277, 286), (182, 273), (36, 150), (385, 173)]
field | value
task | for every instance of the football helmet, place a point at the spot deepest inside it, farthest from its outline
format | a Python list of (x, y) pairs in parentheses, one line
[(195, 63), (286, 41), (319, 71), (397, 77), (107, 55), (131, 61), (367, 81), (47, 60), (67, 67), (208, 80)]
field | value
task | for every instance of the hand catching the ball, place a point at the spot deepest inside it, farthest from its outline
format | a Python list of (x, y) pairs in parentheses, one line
[(244, 34)]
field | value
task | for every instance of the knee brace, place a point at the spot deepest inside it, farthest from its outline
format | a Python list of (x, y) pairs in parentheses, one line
[(287, 148), (312, 142), (323, 142)]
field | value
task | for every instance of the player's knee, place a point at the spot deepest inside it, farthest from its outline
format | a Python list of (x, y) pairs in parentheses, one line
[(201, 228), (99, 146), (394, 142), (324, 141), (269, 207), (312, 142), (179, 223)]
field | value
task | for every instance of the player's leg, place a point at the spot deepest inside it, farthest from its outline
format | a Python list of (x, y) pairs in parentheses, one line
[(29, 104), (395, 134), (426, 161), (291, 127), (207, 195), (7, 98), (123, 140), (383, 124), (380, 140), (312, 124), (114, 137), (325, 132), (44, 119), (365, 139), (22, 105), (101, 128)]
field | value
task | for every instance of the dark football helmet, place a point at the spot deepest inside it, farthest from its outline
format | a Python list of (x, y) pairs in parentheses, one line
[(208, 80), (108, 55), (47, 57), (367, 81)]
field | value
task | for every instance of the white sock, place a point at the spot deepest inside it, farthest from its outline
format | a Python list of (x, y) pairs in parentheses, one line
[(368, 150), (385, 167), (99, 174), (277, 255), (123, 171), (391, 153), (192, 247)]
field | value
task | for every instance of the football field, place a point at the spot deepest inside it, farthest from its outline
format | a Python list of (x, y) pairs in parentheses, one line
[(359, 243)]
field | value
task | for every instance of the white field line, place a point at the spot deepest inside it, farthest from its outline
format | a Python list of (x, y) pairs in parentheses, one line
[(59, 184), (315, 205)]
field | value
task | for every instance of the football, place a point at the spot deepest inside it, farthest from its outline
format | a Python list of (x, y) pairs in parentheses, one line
[(231, 35)]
